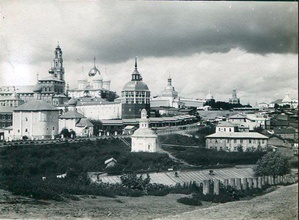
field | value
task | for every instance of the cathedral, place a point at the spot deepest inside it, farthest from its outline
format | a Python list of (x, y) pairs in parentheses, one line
[(93, 84)]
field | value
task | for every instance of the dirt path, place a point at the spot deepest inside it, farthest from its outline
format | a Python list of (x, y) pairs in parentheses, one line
[(281, 204)]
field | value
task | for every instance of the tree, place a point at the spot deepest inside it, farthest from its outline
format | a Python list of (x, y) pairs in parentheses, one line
[(272, 163), (131, 181)]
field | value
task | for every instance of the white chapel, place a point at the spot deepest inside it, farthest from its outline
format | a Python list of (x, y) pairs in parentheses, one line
[(144, 139)]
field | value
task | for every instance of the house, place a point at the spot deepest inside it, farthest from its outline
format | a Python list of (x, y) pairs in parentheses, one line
[(226, 127), (235, 141), (110, 162)]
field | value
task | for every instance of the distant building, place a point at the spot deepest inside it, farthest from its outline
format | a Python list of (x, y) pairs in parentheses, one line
[(228, 138), (135, 96), (287, 100), (73, 120), (6, 115), (234, 141), (168, 98), (95, 84), (234, 99), (250, 121), (144, 139)]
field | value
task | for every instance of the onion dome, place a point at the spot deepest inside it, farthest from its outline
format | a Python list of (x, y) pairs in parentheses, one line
[(209, 96), (37, 88), (51, 71), (97, 77), (94, 71), (72, 102)]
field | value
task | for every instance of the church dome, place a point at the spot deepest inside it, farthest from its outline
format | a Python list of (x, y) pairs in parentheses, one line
[(94, 71), (135, 86), (51, 71), (97, 77), (209, 96), (37, 88), (287, 98)]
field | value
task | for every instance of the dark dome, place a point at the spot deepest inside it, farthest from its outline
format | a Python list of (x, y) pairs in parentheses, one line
[(135, 86), (51, 71), (94, 71)]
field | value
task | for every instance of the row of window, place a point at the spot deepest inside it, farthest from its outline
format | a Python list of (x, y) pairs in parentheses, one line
[(26, 130), (5, 117), (253, 141)]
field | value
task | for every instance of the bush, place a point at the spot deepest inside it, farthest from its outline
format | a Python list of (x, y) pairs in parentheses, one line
[(272, 164), (190, 201)]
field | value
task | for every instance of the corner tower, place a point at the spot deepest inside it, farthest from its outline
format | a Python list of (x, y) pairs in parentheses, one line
[(135, 96)]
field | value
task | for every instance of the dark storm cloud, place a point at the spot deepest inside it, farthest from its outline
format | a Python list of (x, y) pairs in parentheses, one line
[(175, 29)]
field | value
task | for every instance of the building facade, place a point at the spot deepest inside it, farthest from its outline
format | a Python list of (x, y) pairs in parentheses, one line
[(135, 96), (144, 139), (234, 99), (36, 119)]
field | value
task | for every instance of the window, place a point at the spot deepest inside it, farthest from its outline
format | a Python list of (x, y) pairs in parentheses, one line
[(53, 128), (224, 129), (26, 119), (241, 141), (26, 130), (235, 141), (249, 141), (230, 129)]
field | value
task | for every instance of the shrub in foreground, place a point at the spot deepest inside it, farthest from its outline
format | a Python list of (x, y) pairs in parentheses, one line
[(189, 201)]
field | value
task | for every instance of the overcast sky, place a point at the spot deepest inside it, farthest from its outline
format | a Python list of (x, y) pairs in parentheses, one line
[(203, 46)]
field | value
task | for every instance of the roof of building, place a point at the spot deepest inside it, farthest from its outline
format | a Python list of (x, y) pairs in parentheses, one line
[(237, 116), (237, 135), (36, 105), (226, 124), (84, 122), (110, 160), (135, 86), (144, 132), (51, 78), (72, 114), (6, 109)]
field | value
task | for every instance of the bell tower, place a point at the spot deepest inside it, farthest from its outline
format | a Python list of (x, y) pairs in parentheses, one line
[(58, 63)]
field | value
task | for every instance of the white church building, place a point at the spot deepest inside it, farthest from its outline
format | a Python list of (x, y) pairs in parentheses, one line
[(144, 139), (35, 119)]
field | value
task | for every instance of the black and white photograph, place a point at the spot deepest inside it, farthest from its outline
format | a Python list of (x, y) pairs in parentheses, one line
[(133, 110)]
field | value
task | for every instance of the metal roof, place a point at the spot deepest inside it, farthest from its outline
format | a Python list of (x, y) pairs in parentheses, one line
[(36, 105), (237, 135)]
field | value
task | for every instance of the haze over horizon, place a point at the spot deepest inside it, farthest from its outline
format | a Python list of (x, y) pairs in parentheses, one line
[(203, 46)]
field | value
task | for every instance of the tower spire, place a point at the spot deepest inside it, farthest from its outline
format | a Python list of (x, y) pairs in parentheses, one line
[(136, 62), (94, 61)]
